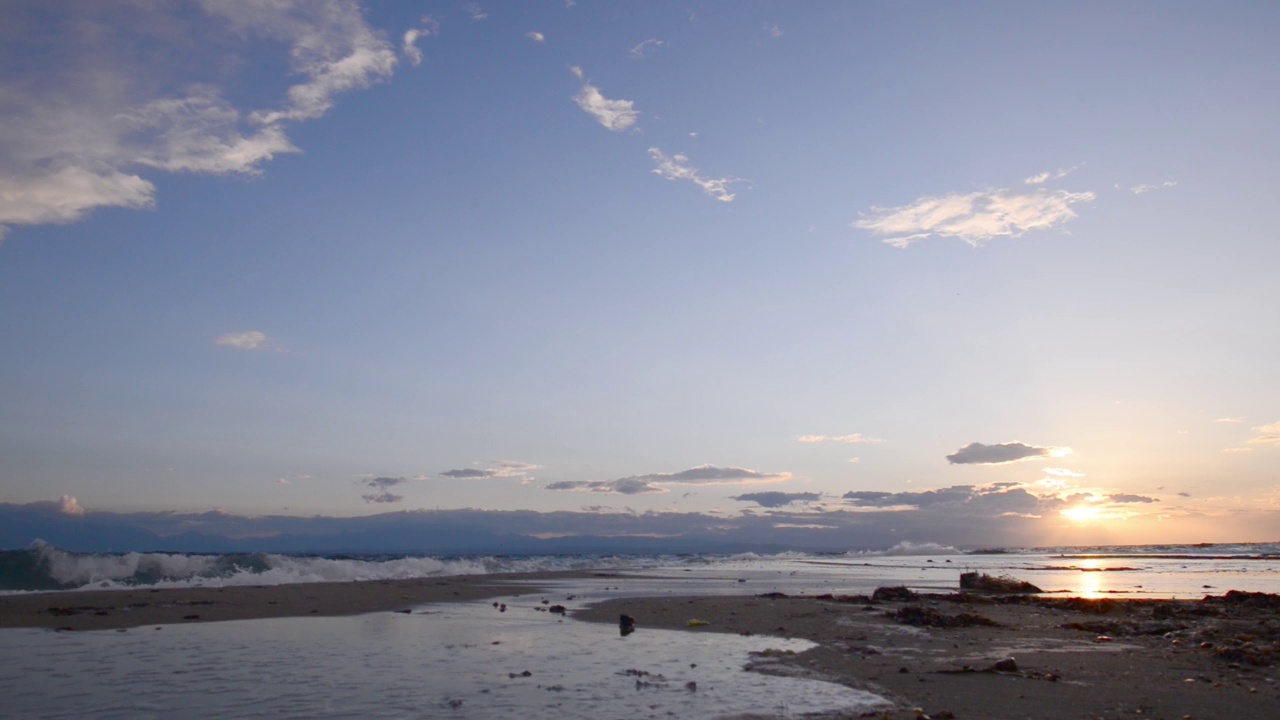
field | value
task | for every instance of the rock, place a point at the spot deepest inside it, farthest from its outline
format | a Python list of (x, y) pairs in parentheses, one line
[(1006, 665), (557, 609), (982, 582), (695, 622), (897, 593), (626, 625), (691, 686)]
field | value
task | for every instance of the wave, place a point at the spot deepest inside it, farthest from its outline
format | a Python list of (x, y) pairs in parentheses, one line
[(43, 567)]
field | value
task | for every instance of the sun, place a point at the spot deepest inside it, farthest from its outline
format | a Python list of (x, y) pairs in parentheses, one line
[(1083, 513)]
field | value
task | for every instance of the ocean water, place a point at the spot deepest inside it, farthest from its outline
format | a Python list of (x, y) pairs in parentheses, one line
[(1183, 571)]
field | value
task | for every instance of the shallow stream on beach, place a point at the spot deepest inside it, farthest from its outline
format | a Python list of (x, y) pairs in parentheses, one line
[(441, 661)]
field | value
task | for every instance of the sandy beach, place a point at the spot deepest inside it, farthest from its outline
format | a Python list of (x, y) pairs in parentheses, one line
[(936, 656), (940, 656), (119, 609)]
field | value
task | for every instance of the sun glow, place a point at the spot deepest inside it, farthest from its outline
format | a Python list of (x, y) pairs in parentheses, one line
[(1083, 513)]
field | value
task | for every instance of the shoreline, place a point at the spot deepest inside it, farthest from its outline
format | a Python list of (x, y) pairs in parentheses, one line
[(120, 609), (936, 656), (948, 655)]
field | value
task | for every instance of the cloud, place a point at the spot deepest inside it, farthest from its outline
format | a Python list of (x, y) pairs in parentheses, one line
[(773, 30), (1124, 498), (251, 340), (778, 499), (497, 469), (82, 122), (1146, 188), (1267, 434), (576, 70), (382, 497), (475, 11), (291, 478), (975, 217), (536, 36), (1063, 472), (676, 167), (69, 506), (410, 44), (1231, 420), (979, 454), (616, 115), (1237, 450), (383, 484), (639, 50), (1046, 176), (654, 482), (851, 439)]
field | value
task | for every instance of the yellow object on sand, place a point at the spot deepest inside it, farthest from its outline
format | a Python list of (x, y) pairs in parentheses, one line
[(695, 622)]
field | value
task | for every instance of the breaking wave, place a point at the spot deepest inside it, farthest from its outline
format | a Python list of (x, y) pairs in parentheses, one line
[(43, 567)]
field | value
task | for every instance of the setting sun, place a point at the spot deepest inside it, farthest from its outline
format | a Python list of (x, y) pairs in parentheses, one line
[(1083, 513)]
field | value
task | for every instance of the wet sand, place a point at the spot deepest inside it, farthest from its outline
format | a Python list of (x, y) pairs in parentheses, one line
[(932, 655), (1071, 658), (118, 609)]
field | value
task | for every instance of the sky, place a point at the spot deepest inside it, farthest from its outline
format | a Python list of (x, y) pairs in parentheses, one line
[(903, 266)]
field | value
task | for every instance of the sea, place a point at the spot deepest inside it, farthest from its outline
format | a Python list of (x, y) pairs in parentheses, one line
[(463, 660)]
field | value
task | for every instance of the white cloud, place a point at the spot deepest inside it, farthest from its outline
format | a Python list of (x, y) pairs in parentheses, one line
[(1046, 176), (475, 11), (773, 30), (252, 340), (410, 44), (536, 36), (616, 115), (81, 124), (1063, 472), (69, 506), (973, 217), (576, 70), (1146, 188), (1230, 420), (1237, 450), (639, 50), (1267, 434), (676, 167), (497, 469), (851, 439), (856, 439)]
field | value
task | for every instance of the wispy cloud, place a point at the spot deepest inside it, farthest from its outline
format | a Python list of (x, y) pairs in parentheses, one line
[(497, 469), (655, 482), (475, 11), (778, 499), (1046, 176), (1230, 420), (81, 125), (292, 478), (411, 37), (382, 486), (979, 454), (251, 340), (616, 115), (1267, 434), (773, 30), (1126, 498), (851, 439), (975, 217), (536, 36), (676, 167), (638, 52), (1146, 188)]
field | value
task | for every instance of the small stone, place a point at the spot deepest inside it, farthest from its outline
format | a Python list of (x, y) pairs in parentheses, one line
[(1006, 665)]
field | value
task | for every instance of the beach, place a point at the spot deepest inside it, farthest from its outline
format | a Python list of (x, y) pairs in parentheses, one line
[(938, 655)]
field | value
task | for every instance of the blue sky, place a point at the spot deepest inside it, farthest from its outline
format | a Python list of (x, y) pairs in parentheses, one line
[(341, 258)]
